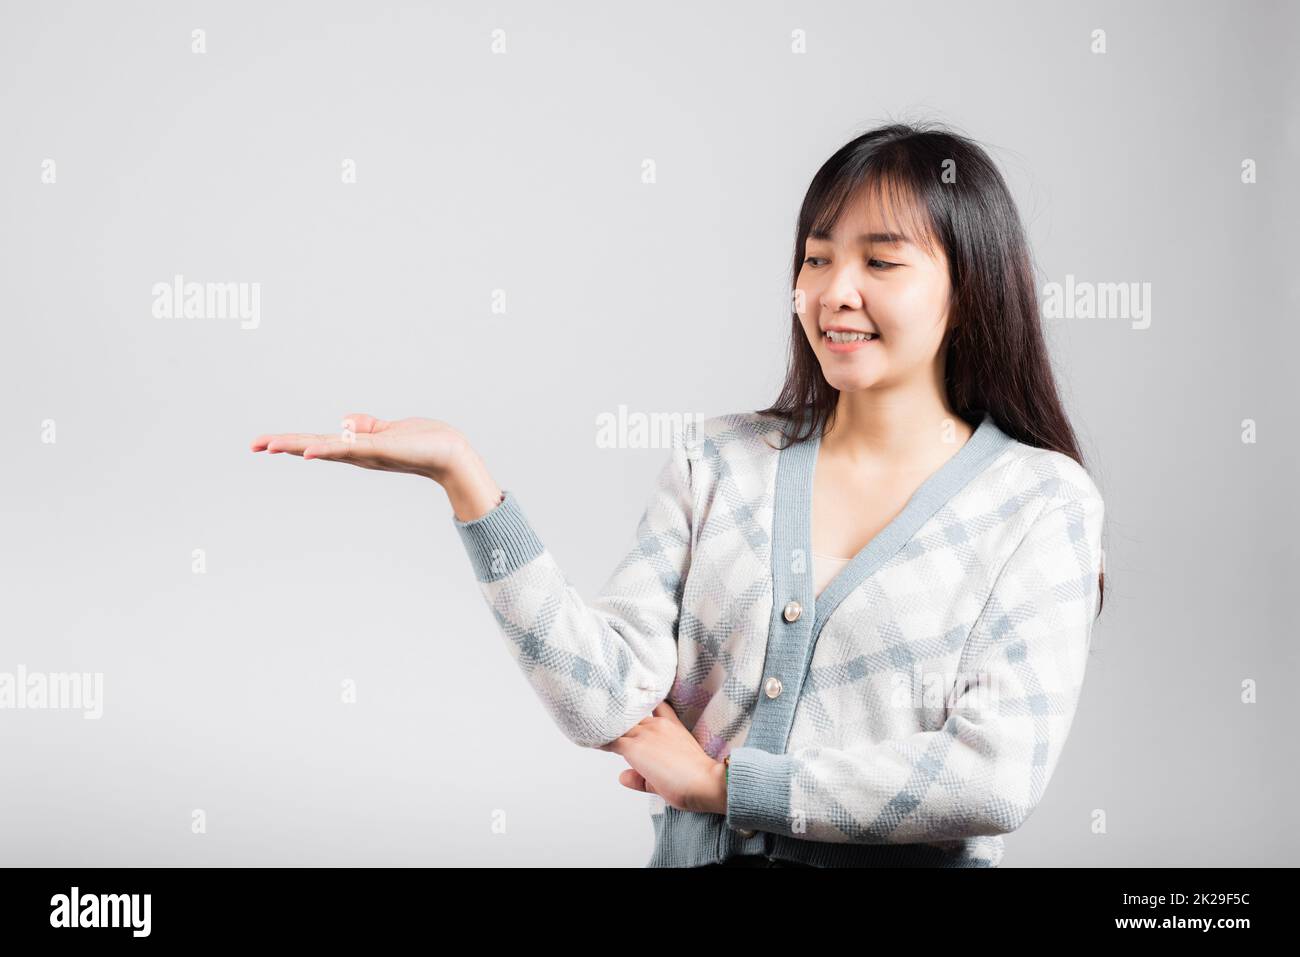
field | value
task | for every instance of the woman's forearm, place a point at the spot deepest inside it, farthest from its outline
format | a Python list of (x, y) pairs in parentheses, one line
[(600, 666)]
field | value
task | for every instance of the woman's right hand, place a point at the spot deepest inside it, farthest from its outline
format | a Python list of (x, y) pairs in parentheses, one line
[(425, 447)]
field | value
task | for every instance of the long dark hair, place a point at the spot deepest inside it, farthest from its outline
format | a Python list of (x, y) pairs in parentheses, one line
[(996, 359)]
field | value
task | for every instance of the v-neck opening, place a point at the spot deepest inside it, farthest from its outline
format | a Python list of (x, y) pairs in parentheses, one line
[(797, 613), (886, 532), (984, 443)]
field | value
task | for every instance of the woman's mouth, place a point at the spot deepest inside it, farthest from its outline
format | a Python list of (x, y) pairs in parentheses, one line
[(847, 341)]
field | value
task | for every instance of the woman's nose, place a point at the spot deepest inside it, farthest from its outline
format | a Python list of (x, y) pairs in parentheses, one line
[(841, 294), (841, 290)]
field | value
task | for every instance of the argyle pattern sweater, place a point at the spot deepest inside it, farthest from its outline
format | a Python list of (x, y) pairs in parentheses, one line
[(909, 715)]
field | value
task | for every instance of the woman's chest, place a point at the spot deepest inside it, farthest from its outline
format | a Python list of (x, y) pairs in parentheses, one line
[(845, 640), (851, 506)]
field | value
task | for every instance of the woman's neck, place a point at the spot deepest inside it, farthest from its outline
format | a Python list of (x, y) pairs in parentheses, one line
[(904, 431)]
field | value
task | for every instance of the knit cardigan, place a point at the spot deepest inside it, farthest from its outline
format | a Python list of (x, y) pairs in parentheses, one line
[(909, 715)]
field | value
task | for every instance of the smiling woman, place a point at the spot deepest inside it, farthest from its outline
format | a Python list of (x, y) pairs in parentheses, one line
[(751, 683), (845, 269), (913, 278)]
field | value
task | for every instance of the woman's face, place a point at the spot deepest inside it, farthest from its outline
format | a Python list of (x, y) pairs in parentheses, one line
[(860, 278)]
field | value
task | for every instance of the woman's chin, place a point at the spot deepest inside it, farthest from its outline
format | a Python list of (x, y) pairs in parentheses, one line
[(851, 383)]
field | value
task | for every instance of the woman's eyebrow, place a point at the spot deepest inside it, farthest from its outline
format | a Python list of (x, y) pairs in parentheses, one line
[(882, 239)]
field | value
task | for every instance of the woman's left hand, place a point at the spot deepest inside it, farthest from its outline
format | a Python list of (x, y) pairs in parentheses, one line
[(666, 760)]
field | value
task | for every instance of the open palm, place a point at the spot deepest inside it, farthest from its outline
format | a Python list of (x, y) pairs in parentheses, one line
[(420, 446)]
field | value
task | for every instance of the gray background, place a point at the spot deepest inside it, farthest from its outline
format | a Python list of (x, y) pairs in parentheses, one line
[(522, 172)]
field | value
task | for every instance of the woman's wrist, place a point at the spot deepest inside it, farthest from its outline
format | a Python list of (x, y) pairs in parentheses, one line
[(469, 487), (719, 788)]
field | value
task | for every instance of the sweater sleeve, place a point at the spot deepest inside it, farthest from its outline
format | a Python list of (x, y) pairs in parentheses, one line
[(1006, 718), (598, 667)]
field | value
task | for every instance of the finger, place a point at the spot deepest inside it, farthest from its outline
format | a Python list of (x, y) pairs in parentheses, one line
[(360, 422), (662, 710), (292, 442), (262, 441), (357, 449), (614, 747), (632, 778)]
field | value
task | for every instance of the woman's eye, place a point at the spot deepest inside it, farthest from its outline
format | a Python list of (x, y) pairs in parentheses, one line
[(873, 263)]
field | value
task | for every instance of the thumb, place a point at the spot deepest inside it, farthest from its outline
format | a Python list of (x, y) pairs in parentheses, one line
[(362, 423), (631, 778)]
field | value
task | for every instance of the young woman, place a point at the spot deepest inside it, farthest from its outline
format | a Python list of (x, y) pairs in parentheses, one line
[(854, 626)]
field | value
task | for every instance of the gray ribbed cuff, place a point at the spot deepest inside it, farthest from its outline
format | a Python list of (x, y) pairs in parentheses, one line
[(499, 542), (758, 790)]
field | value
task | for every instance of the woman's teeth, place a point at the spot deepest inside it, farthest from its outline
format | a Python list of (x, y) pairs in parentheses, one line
[(834, 336)]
